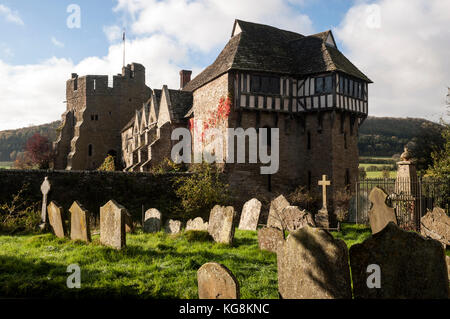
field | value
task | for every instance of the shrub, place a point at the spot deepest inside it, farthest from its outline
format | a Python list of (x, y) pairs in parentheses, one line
[(362, 173), (168, 166), (304, 199), (200, 192), (342, 204), (108, 164), (19, 215)]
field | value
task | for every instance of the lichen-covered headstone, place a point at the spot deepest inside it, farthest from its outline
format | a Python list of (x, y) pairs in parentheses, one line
[(215, 281), (270, 238), (293, 218), (197, 224), (276, 207), (312, 264), (436, 224), (250, 215), (380, 214), (411, 266), (173, 226), (112, 225), (55, 218), (221, 227), (79, 223), (152, 221)]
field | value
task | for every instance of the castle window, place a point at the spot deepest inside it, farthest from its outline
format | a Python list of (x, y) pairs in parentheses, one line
[(345, 140), (347, 177), (95, 84), (324, 84), (90, 150), (75, 84), (309, 179), (264, 84), (309, 140), (92, 117), (96, 117)]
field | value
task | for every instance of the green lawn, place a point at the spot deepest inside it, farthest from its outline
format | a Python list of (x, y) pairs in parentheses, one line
[(378, 174), (151, 266), (6, 164)]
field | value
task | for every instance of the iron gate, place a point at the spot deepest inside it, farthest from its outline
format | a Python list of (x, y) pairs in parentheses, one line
[(410, 199)]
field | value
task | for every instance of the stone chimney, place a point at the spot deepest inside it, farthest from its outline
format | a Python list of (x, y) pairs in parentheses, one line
[(185, 78)]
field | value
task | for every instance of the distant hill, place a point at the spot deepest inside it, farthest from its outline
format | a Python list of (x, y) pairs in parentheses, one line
[(386, 136), (12, 142), (378, 136)]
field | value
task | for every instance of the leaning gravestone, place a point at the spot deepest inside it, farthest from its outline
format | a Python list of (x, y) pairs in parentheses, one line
[(220, 225), (411, 266), (79, 223), (270, 238), (196, 224), (112, 225), (173, 226), (55, 218), (215, 281), (276, 208), (250, 215), (436, 224), (293, 218), (152, 221), (45, 189), (313, 265), (380, 214)]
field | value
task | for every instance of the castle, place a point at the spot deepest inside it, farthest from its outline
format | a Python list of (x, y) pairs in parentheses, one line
[(263, 78)]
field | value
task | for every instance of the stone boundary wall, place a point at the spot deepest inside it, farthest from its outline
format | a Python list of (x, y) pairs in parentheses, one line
[(94, 188)]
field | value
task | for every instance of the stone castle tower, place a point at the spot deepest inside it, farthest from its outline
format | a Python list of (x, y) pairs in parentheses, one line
[(96, 113)]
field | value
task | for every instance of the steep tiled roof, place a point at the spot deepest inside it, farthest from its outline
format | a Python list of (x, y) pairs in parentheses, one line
[(181, 102), (264, 48)]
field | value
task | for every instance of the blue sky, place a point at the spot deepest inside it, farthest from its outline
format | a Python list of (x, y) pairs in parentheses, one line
[(402, 45)]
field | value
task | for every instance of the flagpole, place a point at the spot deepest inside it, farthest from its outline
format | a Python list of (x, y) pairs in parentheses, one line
[(123, 38)]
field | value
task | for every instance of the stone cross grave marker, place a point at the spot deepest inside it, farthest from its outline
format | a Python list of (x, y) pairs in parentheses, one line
[(45, 189), (215, 281), (112, 225), (55, 218), (79, 223), (380, 214), (324, 183)]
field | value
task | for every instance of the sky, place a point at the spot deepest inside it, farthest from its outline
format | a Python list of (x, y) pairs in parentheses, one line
[(403, 46)]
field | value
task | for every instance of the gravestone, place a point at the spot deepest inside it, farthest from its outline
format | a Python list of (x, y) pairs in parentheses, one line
[(152, 221), (45, 189), (220, 225), (436, 224), (196, 224), (112, 225), (250, 215), (276, 207), (173, 226), (270, 238), (79, 223), (321, 217), (129, 225), (215, 281), (293, 218), (312, 264), (411, 266), (55, 218), (380, 214)]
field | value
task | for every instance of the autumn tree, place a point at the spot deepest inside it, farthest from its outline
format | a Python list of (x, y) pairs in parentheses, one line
[(38, 153)]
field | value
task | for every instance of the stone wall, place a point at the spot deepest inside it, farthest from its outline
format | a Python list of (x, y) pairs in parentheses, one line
[(93, 189)]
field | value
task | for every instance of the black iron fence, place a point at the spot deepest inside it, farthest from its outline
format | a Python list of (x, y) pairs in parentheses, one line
[(411, 199)]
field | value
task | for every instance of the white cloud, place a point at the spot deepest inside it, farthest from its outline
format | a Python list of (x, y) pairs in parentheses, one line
[(404, 47), (164, 38), (10, 15), (57, 43)]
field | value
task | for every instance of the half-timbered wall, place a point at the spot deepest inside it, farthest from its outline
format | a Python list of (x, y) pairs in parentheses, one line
[(321, 92)]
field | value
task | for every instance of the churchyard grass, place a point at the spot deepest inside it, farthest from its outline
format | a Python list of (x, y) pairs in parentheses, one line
[(6, 165), (151, 266)]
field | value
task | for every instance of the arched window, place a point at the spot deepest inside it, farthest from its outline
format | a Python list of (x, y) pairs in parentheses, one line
[(90, 150)]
